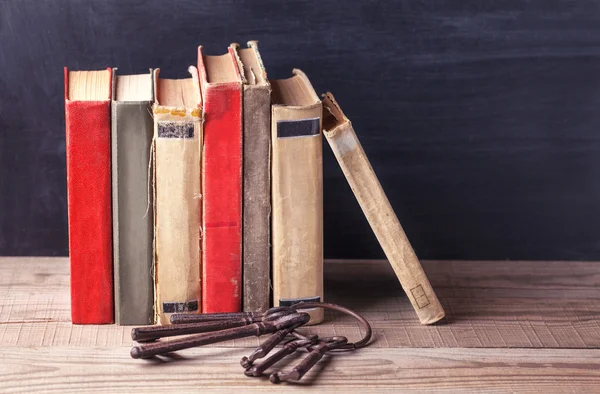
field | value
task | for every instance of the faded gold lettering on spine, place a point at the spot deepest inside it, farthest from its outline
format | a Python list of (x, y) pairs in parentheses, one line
[(178, 112), (173, 111), (161, 110)]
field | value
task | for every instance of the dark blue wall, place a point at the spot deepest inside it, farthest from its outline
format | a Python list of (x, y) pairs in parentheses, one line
[(481, 118)]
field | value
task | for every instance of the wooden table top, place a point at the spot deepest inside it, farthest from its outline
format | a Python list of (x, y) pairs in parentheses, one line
[(511, 326)]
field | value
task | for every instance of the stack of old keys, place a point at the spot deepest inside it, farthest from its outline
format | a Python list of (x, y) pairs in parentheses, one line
[(281, 322)]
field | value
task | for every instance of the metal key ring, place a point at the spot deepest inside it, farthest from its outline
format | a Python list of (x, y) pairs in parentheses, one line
[(325, 305)]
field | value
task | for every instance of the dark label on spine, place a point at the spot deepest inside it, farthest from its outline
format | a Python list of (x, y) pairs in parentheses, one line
[(179, 307), (298, 128), (175, 130)]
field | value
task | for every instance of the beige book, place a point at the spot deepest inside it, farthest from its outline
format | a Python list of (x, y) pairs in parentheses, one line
[(177, 226), (380, 214), (297, 193)]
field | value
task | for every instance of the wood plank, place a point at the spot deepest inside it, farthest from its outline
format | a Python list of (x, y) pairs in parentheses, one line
[(489, 304), (68, 369), (498, 279)]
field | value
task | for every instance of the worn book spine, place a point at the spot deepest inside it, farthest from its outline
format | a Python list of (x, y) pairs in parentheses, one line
[(132, 204), (297, 220), (177, 155), (380, 214), (221, 194), (89, 207), (256, 261)]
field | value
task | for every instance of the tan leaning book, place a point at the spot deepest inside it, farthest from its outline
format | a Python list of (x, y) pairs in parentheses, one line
[(177, 154), (380, 214), (297, 200)]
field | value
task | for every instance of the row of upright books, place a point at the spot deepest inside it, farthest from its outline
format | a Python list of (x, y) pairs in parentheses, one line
[(201, 194)]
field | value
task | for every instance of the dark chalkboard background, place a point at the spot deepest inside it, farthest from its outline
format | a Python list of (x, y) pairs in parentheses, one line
[(481, 118)]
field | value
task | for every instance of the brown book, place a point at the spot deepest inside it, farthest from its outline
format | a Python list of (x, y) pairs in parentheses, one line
[(177, 154), (297, 193), (380, 214), (256, 253)]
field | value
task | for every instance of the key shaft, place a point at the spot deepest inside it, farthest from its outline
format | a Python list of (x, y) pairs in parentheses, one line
[(182, 318), (265, 347), (309, 361), (255, 329), (287, 349), (144, 334)]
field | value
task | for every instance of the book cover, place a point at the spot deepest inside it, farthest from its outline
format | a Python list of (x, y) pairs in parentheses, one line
[(297, 188), (221, 182), (177, 197), (256, 171), (132, 199), (87, 119), (381, 216)]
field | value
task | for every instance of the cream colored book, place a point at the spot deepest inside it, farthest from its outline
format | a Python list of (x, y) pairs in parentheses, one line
[(380, 214), (297, 187), (177, 156)]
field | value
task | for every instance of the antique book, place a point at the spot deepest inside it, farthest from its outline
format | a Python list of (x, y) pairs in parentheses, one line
[(221, 182), (87, 119), (177, 196), (132, 200), (297, 187), (256, 170), (372, 199)]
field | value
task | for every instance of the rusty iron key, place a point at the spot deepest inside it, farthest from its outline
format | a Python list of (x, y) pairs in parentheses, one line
[(265, 347), (151, 333), (182, 318), (269, 344), (316, 353), (185, 318), (280, 321), (287, 349), (255, 329)]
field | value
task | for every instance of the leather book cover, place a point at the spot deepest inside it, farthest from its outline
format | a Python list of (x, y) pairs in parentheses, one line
[(381, 216), (221, 183), (256, 171), (177, 197), (89, 195), (132, 200), (297, 187)]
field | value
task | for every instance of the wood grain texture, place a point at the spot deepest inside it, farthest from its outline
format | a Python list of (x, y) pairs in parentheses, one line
[(488, 305), (486, 111), (68, 369)]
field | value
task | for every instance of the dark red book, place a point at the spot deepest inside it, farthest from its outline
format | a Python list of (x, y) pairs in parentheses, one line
[(221, 86), (87, 118)]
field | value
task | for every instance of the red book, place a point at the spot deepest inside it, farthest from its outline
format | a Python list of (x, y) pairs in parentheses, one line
[(87, 118), (221, 183)]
